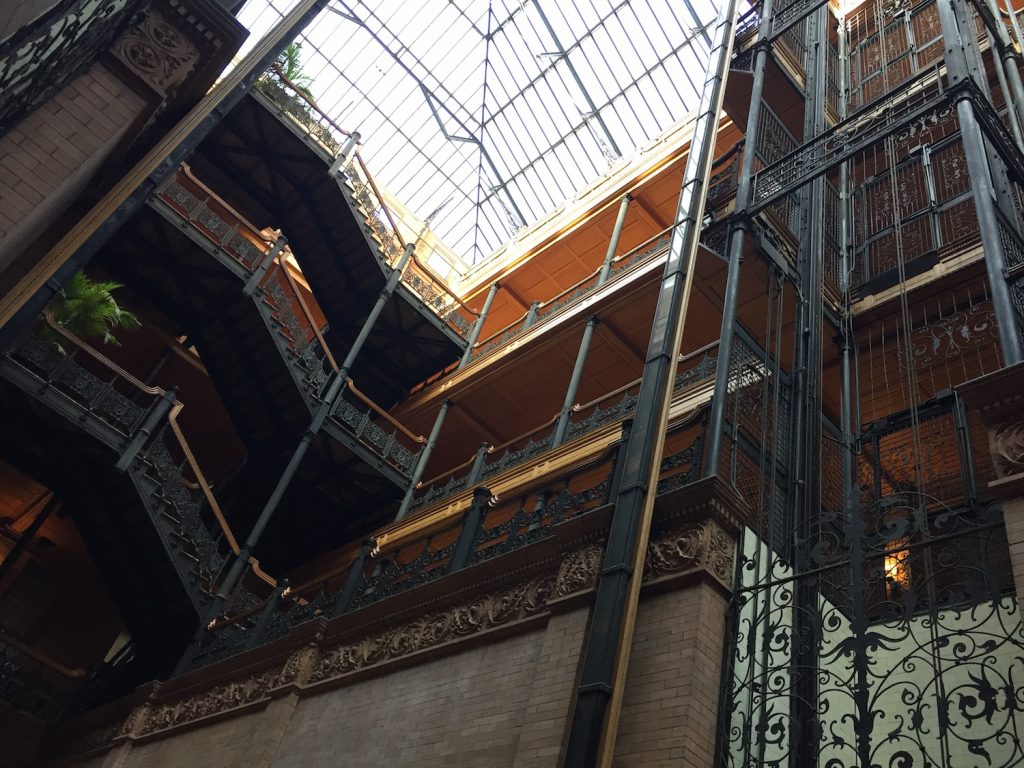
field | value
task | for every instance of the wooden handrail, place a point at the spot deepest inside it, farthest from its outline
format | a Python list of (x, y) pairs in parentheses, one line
[(172, 419), (381, 412), (187, 170), (290, 279), (100, 358)]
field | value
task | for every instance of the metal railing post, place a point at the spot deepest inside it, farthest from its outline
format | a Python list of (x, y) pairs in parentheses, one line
[(470, 530), (261, 269), (355, 577), (156, 414), (421, 461), (477, 326)]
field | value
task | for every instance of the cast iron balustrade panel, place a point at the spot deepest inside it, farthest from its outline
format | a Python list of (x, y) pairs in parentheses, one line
[(507, 526), (228, 239), (307, 122), (174, 505), (904, 113), (615, 407)]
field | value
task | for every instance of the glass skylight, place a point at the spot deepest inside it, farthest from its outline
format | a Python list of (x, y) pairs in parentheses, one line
[(483, 116)]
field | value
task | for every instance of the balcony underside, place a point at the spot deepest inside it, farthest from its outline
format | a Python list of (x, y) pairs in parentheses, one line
[(261, 164), (112, 519), (341, 491)]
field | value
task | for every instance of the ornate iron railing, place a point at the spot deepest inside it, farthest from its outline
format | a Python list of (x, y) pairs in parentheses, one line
[(140, 423), (502, 526), (694, 371), (642, 254), (361, 189), (261, 259)]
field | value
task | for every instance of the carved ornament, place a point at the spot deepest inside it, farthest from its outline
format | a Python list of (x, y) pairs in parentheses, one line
[(694, 545), (157, 52)]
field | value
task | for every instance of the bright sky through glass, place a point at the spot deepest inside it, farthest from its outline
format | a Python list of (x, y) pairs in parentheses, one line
[(485, 115)]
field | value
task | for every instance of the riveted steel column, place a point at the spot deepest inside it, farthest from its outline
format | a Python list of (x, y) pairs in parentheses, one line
[(421, 461), (477, 326), (737, 235), (574, 383), (609, 636), (846, 394), (257, 274), (985, 202)]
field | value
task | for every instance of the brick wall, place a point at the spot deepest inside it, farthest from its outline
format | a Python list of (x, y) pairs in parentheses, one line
[(501, 701), (670, 704), (47, 160)]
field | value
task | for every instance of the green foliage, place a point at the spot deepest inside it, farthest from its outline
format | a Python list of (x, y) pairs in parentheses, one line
[(88, 309), (290, 62)]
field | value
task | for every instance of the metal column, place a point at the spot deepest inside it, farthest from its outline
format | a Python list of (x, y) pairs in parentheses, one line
[(737, 235), (588, 331), (609, 636), (424, 457), (477, 326), (321, 415), (982, 185)]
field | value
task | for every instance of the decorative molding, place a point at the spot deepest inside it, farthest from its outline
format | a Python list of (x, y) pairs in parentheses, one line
[(212, 701), (493, 610), (158, 52), (1006, 441), (694, 545), (578, 570)]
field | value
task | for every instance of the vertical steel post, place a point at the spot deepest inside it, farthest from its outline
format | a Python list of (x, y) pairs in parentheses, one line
[(531, 314), (985, 202), (421, 461), (806, 428), (261, 269), (321, 415), (562, 427), (353, 580), (588, 331), (265, 615), (470, 530), (613, 243), (846, 331), (477, 470), (477, 327), (156, 414), (346, 149), (737, 235), (595, 717)]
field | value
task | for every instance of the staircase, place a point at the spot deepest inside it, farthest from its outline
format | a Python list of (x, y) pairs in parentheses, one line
[(259, 263), (138, 426)]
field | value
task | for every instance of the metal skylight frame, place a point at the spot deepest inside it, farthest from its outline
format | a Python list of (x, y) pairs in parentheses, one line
[(489, 114)]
